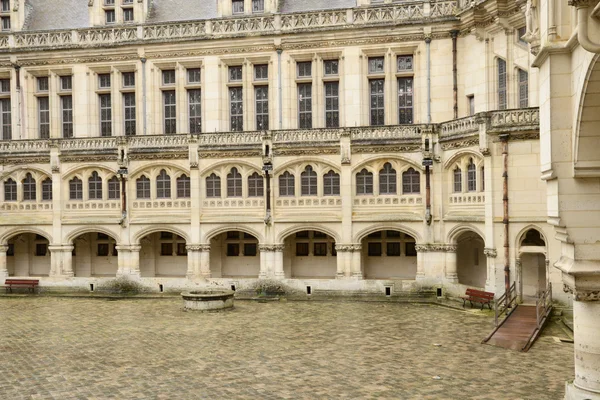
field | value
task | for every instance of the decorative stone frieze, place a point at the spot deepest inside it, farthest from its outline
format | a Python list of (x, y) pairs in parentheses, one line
[(436, 248), (490, 253), (582, 295), (350, 248), (271, 247), (198, 247)]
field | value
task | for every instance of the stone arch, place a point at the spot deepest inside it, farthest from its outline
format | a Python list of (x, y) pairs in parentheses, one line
[(216, 167), (222, 229), (152, 170), (319, 164), (19, 173), (477, 158), (90, 229), (369, 163), (387, 227), (460, 229), (14, 232), (586, 132), (521, 235), (307, 227), (85, 170), (153, 229)]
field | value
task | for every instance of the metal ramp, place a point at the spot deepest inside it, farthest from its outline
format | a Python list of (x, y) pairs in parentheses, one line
[(522, 324)]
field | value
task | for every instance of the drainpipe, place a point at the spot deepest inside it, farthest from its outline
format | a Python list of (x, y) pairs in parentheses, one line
[(454, 73), (582, 28), (428, 47), (19, 100), (505, 220), (143, 59), (279, 88)]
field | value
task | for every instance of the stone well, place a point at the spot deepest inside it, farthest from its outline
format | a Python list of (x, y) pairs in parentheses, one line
[(208, 300)]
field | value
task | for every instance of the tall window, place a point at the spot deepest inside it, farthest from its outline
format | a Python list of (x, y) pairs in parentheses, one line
[(237, 6), (471, 177), (163, 185), (66, 105), (29, 189), (255, 185), (501, 84), (482, 179), (10, 190), (262, 107), (5, 112), (5, 5), (236, 99), (457, 180), (387, 179), (405, 100), (195, 115), (142, 186), (47, 189), (213, 186), (331, 184), (471, 104), (332, 93), (411, 182), (376, 90), (304, 76), (234, 183), (364, 182), (44, 117), (286, 184), (114, 188), (75, 189), (308, 182), (523, 89), (95, 187), (129, 113), (128, 15), (183, 187), (170, 111), (105, 115)]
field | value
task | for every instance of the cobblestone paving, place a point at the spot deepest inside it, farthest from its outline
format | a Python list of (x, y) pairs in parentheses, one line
[(58, 348)]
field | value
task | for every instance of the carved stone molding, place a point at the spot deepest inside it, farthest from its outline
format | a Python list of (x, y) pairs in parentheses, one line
[(460, 144), (135, 248), (490, 253), (582, 295), (348, 248), (271, 247), (198, 247), (229, 154), (3, 248), (436, 248)]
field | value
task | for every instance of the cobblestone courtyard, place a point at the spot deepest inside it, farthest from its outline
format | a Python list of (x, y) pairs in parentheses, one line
[(59, 348)]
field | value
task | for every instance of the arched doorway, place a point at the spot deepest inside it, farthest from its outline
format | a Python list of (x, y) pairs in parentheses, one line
[(389, 254), (533, 269), (234, 254), (310, 255), (471, 262), (95, 254), (28, 255), (163, 254)]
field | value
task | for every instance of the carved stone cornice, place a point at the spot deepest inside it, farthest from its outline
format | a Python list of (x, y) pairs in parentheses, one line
[(490, 253), (268, 248)]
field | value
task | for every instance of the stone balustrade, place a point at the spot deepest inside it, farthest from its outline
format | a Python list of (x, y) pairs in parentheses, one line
[(398, 13)]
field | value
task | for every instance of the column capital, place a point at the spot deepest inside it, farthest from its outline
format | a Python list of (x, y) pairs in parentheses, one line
[(3, 248), (436, 248), (350, 248), (130, 247), (271, 247), (490, 253), (198, 247), (61, 247)]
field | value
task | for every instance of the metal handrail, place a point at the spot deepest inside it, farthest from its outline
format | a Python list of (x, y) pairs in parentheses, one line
[(542, 305), (501, 306)]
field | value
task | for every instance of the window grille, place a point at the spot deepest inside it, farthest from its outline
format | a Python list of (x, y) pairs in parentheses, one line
[(170, 112), (262, 108), (44, 117), (195, 110), (183, 187), (387, 179), (235, 74), (364, 182), (142, 186), (105, 115), (10, 190), (411, 182), (377, 107), (75, 189), (332, 104), (376, 65), (261, 72), (129, 113), (286, 184), (114, 188), (258, 6), (163, 185), (194, 75), (331, 184), (5, 114), (331, 67), (234, 183), (304, 69), (501, 84), (305, 105), (236, 109), (43, 84), (168, 77), (213, 186), (66, 104), (405, 100), (237, 6), (308, 182), (29, 188), (404, 63), (255, 185), (128, 79), (457, 180), (47, 189), (95, 187), (471, 177), (104, 81), (523, 89)]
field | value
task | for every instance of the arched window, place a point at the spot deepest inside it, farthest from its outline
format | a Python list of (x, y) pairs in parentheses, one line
[(308, 181), (457, 180), (114, 188), (47, 189), (331, 184), (364, 182), (76, 189), (286, 184), (95, 187), (411, 182), (471, 176), (29, 192), (10, 190), (163, 185), (183, 187), (482, 179), (143, 187), (255, 185), (213, 186), (234, 183), (387, 180)]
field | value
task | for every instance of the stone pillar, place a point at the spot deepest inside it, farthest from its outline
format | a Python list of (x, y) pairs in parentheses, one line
[(3, 262), (421, 249), (586, 314), (451, 264), (344, 260), (205, 260), (129, 261), (490, 282), (356, 261), (61, 260), (278, 261), (193, 258), (271, 261)]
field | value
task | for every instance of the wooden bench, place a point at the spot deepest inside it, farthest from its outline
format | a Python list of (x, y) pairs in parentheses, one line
[(28, 283), (478, 296)]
